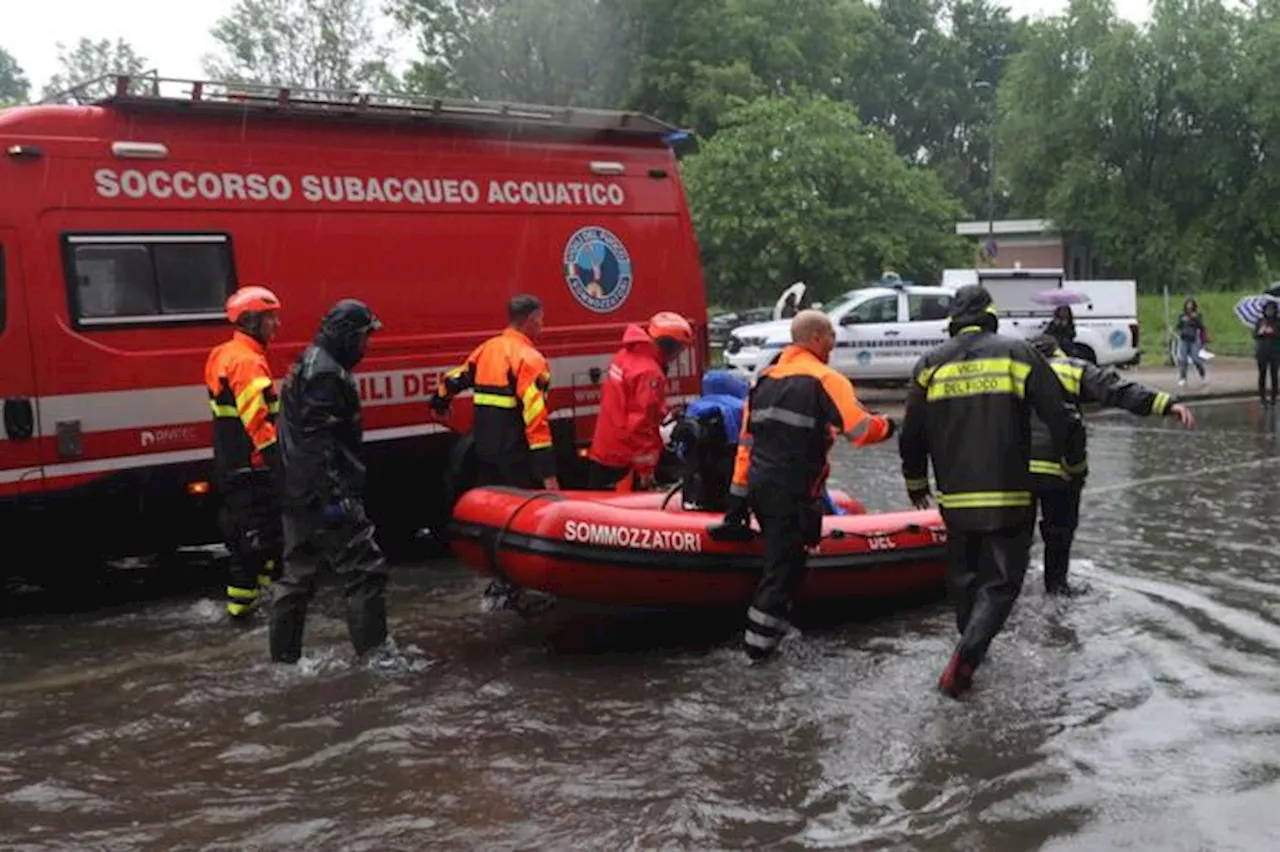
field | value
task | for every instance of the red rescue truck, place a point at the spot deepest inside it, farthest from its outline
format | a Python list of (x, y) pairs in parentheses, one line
[(125, 222)]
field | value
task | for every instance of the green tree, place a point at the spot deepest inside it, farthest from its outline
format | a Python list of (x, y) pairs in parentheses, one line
[(698, 58), (564, 52), (14, 85), (797, 188), (1142, 139), (316, 44), (88, 61)]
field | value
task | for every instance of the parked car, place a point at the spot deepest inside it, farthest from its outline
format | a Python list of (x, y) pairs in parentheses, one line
[(881, 332), (720, 325)]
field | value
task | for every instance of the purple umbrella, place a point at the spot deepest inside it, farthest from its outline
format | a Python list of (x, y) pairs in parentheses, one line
[(1060, 297)]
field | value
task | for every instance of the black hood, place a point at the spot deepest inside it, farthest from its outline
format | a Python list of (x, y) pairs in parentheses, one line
[(972, 306), (344, 328)]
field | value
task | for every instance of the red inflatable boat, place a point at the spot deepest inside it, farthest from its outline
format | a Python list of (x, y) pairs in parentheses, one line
[(643, 550)]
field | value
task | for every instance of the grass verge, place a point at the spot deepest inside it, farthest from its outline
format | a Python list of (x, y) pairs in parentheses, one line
[(1227, 335)]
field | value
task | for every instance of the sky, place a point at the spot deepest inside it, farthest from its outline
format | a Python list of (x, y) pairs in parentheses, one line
[(174, 34)]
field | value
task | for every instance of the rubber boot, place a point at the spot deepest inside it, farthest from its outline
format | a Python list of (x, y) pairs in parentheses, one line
[(957, 677), (500, 595), (1057, 563), (288, 620), (367, 614)]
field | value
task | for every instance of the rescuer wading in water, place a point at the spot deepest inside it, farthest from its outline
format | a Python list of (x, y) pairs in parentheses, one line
[(325, 525), (969, 408), (1056, 496), (793, 414), (246, 454)]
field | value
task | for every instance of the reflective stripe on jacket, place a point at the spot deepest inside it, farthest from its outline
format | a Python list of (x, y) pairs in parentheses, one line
[(797, 407), (243, 400), (1083, 382), (969, 408), (633, 403), (510, 379)]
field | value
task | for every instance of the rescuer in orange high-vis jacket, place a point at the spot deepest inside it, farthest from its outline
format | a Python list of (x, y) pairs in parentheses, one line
[(798, 407), (246, 456), (510, 379), (627, 441)]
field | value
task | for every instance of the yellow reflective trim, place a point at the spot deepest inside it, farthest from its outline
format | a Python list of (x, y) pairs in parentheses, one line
[(264, 580), (979, 376), (1161, 403), (255, 388), (1047, 468), (1069, 376), (976, 386), (1076, 468), (540, 445), (918, 484), (237, 593), (494, 400), (247, 414), (224, 410), (274, 406), (925, 375), (238, 609), (985, 500), (531, 412)]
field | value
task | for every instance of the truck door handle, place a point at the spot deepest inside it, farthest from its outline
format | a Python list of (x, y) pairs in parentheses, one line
[(19, 419), (892, 333)]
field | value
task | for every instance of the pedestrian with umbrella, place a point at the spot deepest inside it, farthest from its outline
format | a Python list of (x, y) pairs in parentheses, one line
[(1264, 311), (1062, 326)]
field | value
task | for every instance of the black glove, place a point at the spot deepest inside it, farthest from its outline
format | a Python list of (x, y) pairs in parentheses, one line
[(438, 403), (893, 427), (737, 511)]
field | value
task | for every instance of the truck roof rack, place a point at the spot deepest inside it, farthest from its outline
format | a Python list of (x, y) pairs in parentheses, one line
[(152, 92)]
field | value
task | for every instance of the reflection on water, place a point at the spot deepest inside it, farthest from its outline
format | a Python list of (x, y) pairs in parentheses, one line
[(1145, 715)]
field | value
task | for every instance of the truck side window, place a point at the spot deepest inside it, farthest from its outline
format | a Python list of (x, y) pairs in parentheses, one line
[(3, 314), (134, 280), (115, 281), (921, 308)]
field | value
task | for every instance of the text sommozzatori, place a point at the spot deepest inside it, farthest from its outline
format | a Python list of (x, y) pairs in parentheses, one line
[(163, 185), (642, 538)]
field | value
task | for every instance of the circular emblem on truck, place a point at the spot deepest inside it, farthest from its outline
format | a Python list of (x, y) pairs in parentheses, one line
[(597, 268), (1118, 339), (864, 357)]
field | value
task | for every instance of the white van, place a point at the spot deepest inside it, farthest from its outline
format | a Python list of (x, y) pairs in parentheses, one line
[(1106, 326)]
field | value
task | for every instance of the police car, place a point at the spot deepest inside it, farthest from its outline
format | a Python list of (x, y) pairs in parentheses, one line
[(881, 331)]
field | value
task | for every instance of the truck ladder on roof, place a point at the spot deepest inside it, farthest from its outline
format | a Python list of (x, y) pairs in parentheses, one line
[(205, 96)]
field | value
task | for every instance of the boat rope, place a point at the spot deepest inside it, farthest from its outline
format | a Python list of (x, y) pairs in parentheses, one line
[(671, 492), (495, 551)]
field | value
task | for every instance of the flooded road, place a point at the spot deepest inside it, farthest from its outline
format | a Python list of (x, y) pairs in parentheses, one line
[(1145, 715)]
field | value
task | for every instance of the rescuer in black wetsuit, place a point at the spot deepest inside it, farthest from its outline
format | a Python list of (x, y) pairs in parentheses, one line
[(325, 525)]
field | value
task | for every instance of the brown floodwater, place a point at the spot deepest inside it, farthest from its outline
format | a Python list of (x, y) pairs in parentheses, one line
[(1144, 715)]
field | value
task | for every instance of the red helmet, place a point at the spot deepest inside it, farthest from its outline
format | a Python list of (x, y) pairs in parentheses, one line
[(251, 300), (671, 326)]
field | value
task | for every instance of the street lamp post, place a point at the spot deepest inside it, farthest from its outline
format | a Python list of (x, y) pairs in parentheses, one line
[(991, 162)]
